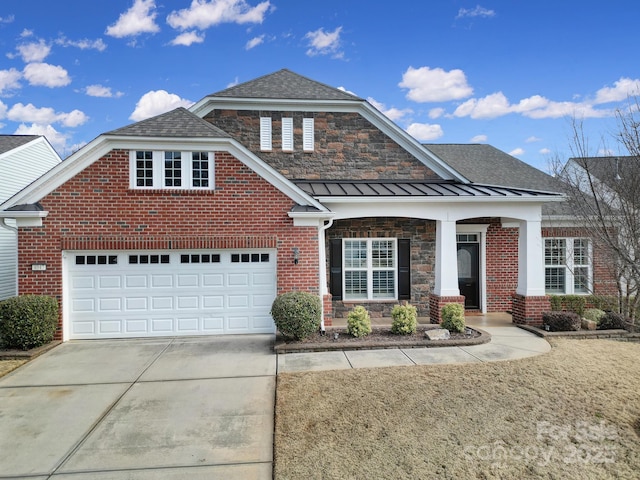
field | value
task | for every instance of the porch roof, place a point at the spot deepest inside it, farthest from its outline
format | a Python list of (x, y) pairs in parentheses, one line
[(435, 189)]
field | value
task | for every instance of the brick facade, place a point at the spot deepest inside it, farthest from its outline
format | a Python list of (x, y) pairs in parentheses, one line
[(529, 310), (349, 146), (436, 302), (96, 209)]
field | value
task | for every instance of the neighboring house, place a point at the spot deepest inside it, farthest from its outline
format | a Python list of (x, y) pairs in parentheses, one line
[(192, 222), (23, 158)]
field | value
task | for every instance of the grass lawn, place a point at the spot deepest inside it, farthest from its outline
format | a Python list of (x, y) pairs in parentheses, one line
[(573, 413)]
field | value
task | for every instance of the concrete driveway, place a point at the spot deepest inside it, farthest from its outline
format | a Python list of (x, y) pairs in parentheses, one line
[(198, 407)]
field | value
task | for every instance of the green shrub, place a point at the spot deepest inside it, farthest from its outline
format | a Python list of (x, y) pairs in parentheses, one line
[(28, 321), (405, 319), (297, 314), (453, 317), (562, 321), (556, 302), (594, 314), (570, 303), (612, 321), (359, 322), (603, 302)]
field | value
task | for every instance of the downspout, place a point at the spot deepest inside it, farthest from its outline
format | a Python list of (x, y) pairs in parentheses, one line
[(322, 256), (8, 227)]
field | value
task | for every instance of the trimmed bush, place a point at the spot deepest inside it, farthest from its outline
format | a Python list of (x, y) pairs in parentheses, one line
[(612, 321), (28, 321), (359, 322), (571, 303), (453, 317), (297, 315), (405, 319), (562, 321), (594, 314)]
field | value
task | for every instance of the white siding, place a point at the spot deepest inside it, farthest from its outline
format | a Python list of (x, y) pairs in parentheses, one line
[(8, 263)]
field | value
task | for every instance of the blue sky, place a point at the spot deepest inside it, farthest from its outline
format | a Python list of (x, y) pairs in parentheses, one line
[(510, 73)]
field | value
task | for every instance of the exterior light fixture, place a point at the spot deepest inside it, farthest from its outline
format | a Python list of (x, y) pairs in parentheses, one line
[(296, 255)]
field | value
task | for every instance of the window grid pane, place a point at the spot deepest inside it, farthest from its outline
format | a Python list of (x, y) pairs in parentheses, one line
[(554, 251), (200, 169), (382, 254), (580, 251), (554, 279), (356, 284), (581, 280), (144, 168), (355, 254), (172, 169), (384, 284)]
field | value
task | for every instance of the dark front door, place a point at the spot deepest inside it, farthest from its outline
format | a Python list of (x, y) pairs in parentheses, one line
[(468, 274)]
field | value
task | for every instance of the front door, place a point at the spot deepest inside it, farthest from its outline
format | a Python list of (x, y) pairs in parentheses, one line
[(468, 274)]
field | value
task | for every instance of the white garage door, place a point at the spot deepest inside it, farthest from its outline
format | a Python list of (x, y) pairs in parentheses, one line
[(144, 294)]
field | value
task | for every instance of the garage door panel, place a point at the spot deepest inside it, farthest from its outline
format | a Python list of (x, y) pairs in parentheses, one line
[(189, 294)]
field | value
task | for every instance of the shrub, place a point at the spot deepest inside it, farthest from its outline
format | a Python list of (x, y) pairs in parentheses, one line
[(603, 302), (594, 314), (571, 303), (453, 317), (359, 322), (405, 319), (297, 314), (612, 321), (556, 303), (562, 321), (28, 321)]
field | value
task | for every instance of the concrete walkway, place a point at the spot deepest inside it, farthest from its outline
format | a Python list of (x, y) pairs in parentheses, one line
[(197, 408), (508, 342)]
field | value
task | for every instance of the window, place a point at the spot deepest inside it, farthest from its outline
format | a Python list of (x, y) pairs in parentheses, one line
[(265, 133), (148, 259), (287, 134), (249, 258), (307, 134), (171, 170), (96, 259), (567, 263), (370, 269)]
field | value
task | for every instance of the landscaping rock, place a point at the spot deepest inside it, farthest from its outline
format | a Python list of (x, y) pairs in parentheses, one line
[(437, 334), (588, 324)]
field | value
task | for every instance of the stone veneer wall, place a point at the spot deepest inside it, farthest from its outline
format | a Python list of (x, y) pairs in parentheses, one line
[(422, 236)]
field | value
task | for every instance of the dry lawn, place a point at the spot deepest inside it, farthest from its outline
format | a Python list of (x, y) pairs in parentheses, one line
[(7, 366), (573, 413)]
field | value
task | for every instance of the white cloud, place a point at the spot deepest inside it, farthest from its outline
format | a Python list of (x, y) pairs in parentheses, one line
[(479, 139), (622, 89), (7, 19), (3, 111), (45, 115), (435, 85), (348, 91), (203, 14), (393, 113), (9, 79), (324, 43), (26, 33), (34, 51), (56, 139), (84, 44), (156, 102), (605, 152), (140, 18), (254, 42), (425, 131), (46, 75), (188, 38), (533, 139), (436, 112), (491, 106), (516, 152), (475, 12), (544, 151), (101, 91)]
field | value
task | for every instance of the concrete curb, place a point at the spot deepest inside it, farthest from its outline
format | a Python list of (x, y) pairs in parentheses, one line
[(584, 334), (28, 354)]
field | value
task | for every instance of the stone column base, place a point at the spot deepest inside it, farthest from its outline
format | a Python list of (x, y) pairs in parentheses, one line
[(436, 302), (529, 310)]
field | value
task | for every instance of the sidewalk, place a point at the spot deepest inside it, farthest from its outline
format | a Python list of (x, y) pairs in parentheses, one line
[(508, 342)]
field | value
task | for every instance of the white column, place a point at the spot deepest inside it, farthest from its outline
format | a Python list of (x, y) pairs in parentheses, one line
[(446, 260), (530, 260)]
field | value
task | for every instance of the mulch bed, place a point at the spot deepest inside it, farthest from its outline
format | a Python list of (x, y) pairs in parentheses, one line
[(380, 337)]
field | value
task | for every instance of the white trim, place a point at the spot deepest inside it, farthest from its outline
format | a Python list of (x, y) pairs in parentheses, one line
[(158, 180), (480, 229), (369, 269)]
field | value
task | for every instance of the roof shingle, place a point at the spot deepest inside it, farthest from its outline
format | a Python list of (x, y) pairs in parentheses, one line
[(9, 142)]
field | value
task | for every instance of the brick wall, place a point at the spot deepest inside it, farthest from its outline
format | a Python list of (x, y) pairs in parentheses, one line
[(502, 266), (97, 209), (436, 302), (422, 236), (347, 146), (529, 310)]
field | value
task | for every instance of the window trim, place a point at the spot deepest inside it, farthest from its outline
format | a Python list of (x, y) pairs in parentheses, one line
[(370, 269), (569, 265), (159, 174)]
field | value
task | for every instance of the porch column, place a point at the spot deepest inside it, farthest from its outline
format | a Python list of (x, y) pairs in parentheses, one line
[(446, 282), (530, 301)]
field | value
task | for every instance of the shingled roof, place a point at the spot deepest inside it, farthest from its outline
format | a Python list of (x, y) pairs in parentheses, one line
[(9, 142), (285, 84), (175, 123), (482, 163)]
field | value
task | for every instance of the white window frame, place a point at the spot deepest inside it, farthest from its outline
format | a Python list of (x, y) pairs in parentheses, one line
[(158, 158), (369, 269), (569, 265), (308, 135), (265, 134), (287, 134)]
